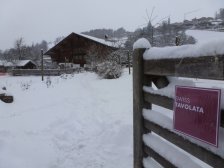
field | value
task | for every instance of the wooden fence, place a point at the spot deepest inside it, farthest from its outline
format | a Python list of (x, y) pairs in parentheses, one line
[(46, 72), (146, 72)]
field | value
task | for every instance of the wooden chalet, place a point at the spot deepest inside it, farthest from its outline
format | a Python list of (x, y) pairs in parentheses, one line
[(25, 64), (75, 47), (17, 64)]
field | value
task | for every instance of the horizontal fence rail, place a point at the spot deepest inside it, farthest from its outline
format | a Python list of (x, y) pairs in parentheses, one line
[(194, 149), (46, 72), (209, 67), (146, 72)]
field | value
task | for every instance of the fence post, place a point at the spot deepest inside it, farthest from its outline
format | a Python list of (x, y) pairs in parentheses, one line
[(42, 65), (129, 68), (138, 104), (177, 41)]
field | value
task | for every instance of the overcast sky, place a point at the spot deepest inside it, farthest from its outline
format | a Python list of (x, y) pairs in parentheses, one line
[(37, 20)]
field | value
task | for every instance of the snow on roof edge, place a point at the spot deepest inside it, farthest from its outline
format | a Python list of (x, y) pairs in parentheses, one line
[(24, 62), (115, 44), (15, 63)]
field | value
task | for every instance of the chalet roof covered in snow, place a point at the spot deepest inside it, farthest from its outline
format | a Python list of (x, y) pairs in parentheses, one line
[(112, 43), (24, 62), (75, 47), (107, 43), (16, 63)]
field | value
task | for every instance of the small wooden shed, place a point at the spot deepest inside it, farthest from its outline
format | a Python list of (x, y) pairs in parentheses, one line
[(75, 47), (25, 64), (16, 64)]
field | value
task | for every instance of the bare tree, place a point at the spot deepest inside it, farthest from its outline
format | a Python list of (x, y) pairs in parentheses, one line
[(58, 39), (20, 48), (1, 54), (221, 13)]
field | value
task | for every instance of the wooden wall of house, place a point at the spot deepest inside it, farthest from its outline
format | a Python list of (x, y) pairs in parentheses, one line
[(75, 48), (29, 66), (2, 69)]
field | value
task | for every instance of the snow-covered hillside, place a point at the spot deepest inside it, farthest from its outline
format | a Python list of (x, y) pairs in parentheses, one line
[(78, 122), (202, 36)]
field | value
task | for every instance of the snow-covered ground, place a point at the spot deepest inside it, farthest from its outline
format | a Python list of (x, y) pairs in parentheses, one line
[(78, 122)]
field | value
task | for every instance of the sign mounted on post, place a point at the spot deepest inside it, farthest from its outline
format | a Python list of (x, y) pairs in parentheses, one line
[(197, 113)]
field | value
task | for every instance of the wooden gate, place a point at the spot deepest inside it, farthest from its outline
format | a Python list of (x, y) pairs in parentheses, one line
[(155, 71)]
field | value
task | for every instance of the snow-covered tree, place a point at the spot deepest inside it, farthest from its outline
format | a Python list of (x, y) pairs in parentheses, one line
[(22, 51), (109, 70), (221, 14)]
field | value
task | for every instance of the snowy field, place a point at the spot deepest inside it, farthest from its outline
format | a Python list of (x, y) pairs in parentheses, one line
[(79, 121)]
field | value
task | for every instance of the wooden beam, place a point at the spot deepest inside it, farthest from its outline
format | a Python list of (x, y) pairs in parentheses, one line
[(209, 67), (147, 81), (159, 100), (138, 104), (162, 161), (194, 149)]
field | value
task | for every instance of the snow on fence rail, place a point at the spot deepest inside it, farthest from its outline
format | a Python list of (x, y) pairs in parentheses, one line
[(146, 72), (47, 72)]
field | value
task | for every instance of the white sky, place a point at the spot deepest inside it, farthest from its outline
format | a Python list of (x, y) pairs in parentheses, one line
[(37, 20)]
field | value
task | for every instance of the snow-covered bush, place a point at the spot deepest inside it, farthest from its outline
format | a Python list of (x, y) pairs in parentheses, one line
[(48, 82), (109, 70), (64, 76), (25, 85)]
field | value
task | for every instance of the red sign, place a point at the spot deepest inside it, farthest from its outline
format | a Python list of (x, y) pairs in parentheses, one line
[(197, 113)]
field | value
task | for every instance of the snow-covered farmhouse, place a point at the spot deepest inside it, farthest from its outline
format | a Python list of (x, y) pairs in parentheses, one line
[(76, 47), (17, 64)]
